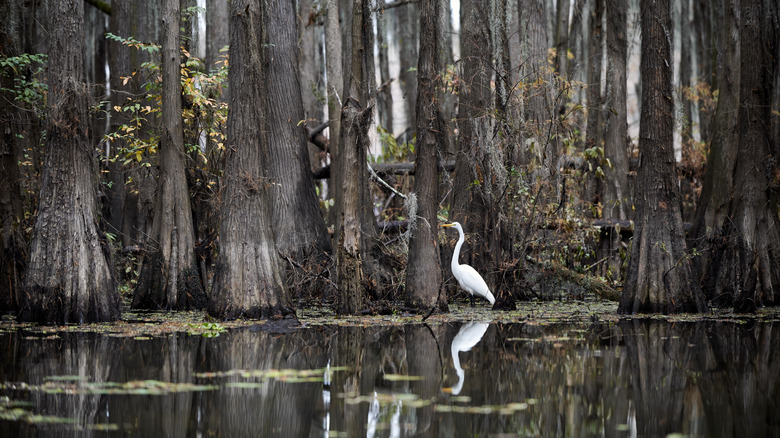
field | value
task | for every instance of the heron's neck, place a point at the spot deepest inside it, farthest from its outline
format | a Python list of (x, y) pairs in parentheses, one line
[(456, 253)]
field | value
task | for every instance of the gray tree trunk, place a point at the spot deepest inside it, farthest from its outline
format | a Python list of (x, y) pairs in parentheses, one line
[(659, 278), (248, 282), (311, 61), (350, 158), (594, 130), (384, 95), (747, 265), (617, 200), (408, 40), (423, 272), (169, 277), (12, 242), (68, 279), (217, 36), (562, 36), (718, 183), (335, 92), (299, 228), (537, 73), (95, 28)]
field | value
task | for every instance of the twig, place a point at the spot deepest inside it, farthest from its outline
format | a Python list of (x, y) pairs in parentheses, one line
[(384, 183)]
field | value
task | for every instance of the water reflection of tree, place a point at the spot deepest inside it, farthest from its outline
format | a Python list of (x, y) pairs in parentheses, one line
[(272, 407), (704, 379), (75, 359), (374, 354), (167, 359)]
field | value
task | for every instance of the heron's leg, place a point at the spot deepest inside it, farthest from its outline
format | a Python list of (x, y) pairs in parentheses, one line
[(472, 299)]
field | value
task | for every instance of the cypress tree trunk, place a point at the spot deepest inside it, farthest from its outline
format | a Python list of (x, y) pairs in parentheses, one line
[(68, 278), (384, 95), (718, 184), (408, 39), (747, 265), (12, 243), (423, 272), (537, 73), (169, 277), (335, 93), (299, 228), (217, 36), (311, 60), (562, 36), (616, 203), (594, 129), (659, 277), (248, 282), (350, 159)]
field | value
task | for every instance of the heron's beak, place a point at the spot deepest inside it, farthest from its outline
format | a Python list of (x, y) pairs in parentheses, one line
[(446, 225), (446, 390)]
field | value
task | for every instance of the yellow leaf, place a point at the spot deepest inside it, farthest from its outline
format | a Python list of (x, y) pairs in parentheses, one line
[(138, 156)]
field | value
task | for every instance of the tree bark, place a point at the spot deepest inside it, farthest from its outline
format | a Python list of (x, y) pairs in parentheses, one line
[(594, 124), (12, 242), (248, 282), (384, 93), (299, 228), (562, 37), (311, 60), (350, 159), (408, 35), (169, 276), (747, 265), (423, 272), (659, 277), (335, 93), (718, 181), (68, 279), (217, 36), (537, 73), (617, 203), (577, 42)]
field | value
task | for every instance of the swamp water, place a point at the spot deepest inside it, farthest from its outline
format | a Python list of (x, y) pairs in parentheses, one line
[(550, 370)]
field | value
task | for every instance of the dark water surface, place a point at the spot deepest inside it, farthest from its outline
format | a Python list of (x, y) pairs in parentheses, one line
[(640, 377)]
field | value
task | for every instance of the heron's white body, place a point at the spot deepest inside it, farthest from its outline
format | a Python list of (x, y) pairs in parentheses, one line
[(468, 278)]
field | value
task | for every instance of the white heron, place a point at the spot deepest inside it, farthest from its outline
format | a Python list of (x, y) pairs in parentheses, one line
[(468, 278)]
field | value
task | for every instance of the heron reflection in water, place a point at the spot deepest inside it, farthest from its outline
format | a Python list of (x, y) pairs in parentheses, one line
[(468, 336)]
